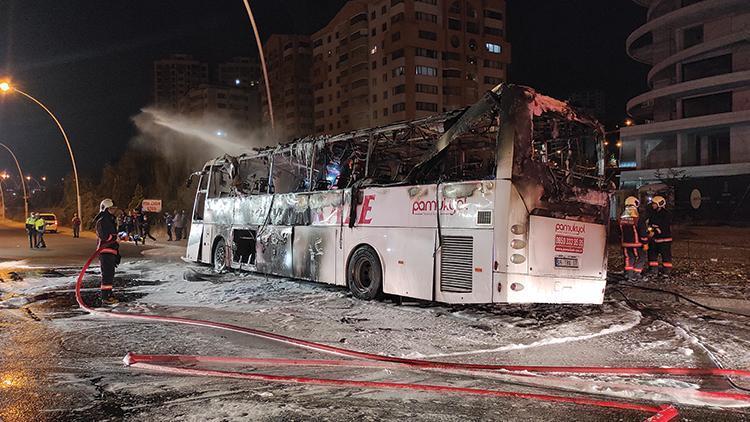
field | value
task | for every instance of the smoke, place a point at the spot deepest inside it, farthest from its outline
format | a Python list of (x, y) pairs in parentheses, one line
[(196, 140)]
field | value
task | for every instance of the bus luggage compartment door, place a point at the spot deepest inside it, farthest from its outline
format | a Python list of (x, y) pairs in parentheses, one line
[(274, 251), (315, 250), (195, 238)]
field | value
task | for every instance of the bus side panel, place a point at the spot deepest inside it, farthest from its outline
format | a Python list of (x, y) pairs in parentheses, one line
[(465, 266), (405, 256), (408, 255), (274, 251), (314, 253)]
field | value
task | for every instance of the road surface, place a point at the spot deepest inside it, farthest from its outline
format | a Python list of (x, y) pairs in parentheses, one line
[(58, 363)]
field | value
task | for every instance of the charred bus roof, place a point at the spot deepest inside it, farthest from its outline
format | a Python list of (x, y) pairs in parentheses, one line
[(545, 137)]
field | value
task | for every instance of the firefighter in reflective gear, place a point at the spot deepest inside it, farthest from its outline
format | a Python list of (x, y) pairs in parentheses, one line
[(109, 255), (660, 225), (633, 237), (31, 229)]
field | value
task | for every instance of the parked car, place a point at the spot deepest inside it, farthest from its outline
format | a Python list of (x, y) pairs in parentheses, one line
[(50, 221)]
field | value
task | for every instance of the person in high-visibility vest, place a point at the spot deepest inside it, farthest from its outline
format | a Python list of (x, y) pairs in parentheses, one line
[(31, 229), (109, 249), (40, 225)]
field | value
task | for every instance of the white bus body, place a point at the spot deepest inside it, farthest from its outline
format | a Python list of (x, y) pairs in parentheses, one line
[(468, 241)]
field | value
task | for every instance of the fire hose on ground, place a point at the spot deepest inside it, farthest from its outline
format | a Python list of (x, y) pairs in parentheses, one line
[(160, 363)]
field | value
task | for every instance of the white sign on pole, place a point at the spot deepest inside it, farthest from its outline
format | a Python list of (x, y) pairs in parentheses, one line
[(151, 205)]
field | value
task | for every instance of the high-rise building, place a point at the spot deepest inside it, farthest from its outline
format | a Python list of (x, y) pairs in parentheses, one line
[(591, 102), (289, 60), (694, 122), (235, 104), (239, 71), (175, 76), (377, 62)]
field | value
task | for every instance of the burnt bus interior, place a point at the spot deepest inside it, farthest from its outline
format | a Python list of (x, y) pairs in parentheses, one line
[(552, 145)]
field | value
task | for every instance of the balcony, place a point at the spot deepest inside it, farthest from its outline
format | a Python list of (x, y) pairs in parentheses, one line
[(695, 13)]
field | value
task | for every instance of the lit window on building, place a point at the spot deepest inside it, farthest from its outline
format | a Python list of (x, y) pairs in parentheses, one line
[(493, 48)]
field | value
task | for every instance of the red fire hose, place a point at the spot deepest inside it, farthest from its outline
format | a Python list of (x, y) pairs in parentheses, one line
[(661, 413)]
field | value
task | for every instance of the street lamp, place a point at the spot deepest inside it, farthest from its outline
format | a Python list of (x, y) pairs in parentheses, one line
[(262, 62), (20, 173), (6, 87)]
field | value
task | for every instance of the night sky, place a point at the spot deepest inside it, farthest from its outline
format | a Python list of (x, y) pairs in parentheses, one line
[(90, 61)]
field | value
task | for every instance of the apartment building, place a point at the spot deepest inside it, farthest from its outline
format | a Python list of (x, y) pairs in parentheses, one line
[(239, 71), (289, 61), (238, 105), (378, 62), (694, 122), (174, 76)]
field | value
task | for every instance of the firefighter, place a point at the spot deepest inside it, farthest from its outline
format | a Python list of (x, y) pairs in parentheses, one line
[(31, 229), (633, 236), (660, 225), (109, 255)]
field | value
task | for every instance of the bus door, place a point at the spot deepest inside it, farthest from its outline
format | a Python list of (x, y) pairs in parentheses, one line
[(195, 239)]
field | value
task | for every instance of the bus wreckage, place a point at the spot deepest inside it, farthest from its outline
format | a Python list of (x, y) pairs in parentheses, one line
[(504, 201)]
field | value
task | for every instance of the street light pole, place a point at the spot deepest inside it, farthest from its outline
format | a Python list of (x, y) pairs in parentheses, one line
[(2, 198), (4, 86), (267, 83), (23, 182)]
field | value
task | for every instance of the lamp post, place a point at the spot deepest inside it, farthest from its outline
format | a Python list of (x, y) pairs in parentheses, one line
[(23, 182), (6, 87), (262, 62)]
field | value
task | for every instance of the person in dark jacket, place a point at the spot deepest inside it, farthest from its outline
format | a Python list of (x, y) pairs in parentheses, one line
[(146, 228), (109, 249), (633, 237), (660, 224), (169, 220), (76, 222)]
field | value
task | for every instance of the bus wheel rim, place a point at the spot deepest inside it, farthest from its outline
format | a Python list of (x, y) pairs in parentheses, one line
[(363, 274)]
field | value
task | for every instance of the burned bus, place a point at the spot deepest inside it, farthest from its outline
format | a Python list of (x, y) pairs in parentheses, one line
[(504, 201)]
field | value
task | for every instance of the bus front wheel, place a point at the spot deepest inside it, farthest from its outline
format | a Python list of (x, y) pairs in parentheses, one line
[(220, 256), (364, 274)]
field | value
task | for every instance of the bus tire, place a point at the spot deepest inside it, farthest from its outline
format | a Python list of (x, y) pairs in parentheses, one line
[(219, 255), (364, 274)]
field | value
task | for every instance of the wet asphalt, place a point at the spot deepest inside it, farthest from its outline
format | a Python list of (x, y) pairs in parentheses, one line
[(59, 364)]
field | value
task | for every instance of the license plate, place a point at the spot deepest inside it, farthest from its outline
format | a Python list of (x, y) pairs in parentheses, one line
[(566, 262)]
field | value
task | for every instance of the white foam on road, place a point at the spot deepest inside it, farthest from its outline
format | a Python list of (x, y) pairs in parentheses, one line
[(635, 319)]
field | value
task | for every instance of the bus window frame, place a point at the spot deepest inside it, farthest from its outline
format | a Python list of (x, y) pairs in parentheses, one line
[(201, 191)]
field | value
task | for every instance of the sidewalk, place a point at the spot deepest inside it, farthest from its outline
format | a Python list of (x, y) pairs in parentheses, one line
[(709, 262)]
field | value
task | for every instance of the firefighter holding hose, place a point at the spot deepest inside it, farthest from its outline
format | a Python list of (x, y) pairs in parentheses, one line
[(109, 255), (634, 238)]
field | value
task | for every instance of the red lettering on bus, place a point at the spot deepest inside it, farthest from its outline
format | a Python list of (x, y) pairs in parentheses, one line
[(366, 208)]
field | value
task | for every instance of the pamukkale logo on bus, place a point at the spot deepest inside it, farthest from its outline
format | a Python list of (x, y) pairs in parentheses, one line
[(447, 206), (565, 241)]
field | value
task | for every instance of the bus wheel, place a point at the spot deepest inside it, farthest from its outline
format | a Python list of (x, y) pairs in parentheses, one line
[(220, 256), (364, 274)]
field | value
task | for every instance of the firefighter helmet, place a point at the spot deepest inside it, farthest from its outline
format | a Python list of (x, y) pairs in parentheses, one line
[(106, 203), (632, 201), (659, 201)]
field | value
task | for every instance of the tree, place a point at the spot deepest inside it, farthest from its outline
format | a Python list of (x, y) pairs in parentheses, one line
[(138, 197)]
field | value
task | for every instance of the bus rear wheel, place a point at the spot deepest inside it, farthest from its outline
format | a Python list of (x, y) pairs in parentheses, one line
[(220, 256), (364, 274)]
